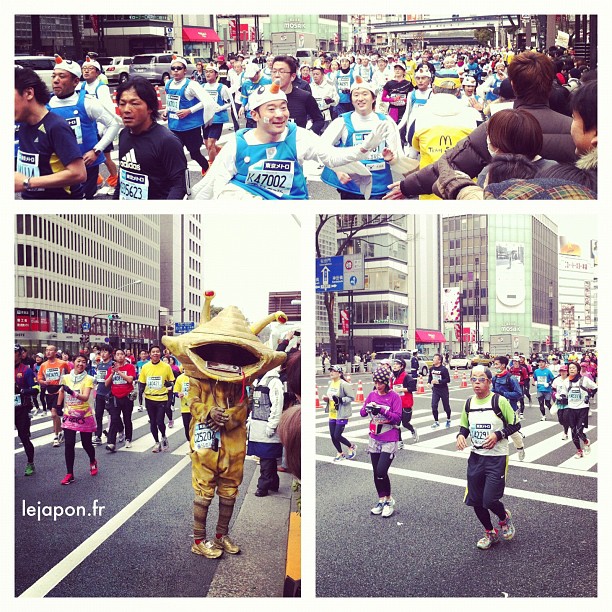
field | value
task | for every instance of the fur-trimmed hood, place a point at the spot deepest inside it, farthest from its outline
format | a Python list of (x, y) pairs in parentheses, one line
[(588, 161)]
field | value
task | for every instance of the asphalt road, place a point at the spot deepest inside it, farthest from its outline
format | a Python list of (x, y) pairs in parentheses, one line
[(137, 545), (427, 548)]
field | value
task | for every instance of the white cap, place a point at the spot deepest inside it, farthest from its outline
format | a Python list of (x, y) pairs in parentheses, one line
[(89, 62), (181, 60), (266, 93), (359, 83), (67, 65), (251, 70)]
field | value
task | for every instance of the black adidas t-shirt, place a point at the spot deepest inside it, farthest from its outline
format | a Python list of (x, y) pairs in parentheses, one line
[(152, 165)]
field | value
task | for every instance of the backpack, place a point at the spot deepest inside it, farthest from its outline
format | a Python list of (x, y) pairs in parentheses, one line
[(261, 405), (494, 405)]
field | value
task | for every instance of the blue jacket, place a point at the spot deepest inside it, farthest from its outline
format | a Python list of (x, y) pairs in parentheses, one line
[(508, 387)]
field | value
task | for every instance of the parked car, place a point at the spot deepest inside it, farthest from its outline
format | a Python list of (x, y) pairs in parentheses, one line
[(425, 362), (156, 66), (462, 363), (116, 69), (43, 64)]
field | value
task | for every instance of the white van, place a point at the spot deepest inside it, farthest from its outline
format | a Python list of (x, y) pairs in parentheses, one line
[(306, 56)]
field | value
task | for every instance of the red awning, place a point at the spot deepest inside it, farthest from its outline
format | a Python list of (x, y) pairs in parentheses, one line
[(200, 35), (429, 336)]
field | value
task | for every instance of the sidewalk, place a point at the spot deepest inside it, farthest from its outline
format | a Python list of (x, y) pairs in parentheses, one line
[(261, 530)]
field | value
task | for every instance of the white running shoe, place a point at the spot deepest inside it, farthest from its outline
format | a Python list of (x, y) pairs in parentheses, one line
[(521, 453), (388, 506)]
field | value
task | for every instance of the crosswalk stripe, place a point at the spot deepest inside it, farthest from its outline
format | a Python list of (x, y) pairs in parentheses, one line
[(460, 482), (584, 464)]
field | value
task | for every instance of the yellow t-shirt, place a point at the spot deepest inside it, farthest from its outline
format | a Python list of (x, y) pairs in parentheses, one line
[(182, 386), (155, 376), (333, 389)]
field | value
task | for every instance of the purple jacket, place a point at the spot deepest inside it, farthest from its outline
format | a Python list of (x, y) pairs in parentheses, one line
[(391, 413)]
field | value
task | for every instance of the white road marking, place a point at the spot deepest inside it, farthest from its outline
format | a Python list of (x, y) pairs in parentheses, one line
[(459, 482)]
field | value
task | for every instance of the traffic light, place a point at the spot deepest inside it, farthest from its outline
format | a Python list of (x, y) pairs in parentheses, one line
[(113, 316), (168, 330)]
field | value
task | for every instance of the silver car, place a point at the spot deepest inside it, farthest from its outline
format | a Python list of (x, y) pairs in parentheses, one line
[(44, 65), (116, 69), (155, 67)]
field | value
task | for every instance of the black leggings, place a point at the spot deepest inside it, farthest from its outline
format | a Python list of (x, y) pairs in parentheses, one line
[(542, 401), (526, 389), (335, 431), (192, 141), (575, 420), (155, 411), (381, 462), (563, 416), (406, 417), (22, 424), (186, 421), (121, 406), (69, 443), (170, 405), (485, 518)]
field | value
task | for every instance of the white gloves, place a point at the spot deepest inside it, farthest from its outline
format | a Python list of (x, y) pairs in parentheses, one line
[(270, 431), (377, 135)]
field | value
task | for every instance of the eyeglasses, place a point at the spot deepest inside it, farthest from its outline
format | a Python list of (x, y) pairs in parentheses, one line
[(177, 68), (281, 71), (480, 379)]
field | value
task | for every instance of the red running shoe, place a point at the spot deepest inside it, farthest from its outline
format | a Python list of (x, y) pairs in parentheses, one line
[(68, 478), (93, 467)]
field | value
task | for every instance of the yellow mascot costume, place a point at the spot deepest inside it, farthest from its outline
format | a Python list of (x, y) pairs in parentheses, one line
[(221, 357)]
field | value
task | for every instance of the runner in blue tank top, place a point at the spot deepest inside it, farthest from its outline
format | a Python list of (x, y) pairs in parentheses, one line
[(265, 162)]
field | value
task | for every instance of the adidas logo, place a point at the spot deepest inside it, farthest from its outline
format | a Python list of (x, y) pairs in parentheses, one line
[(129, 161)]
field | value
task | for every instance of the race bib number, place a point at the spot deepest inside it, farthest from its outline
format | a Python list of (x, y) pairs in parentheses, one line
[(52, 374), (134, 186), (275, 176), (27, 164), (376, 154), (517, 378), (17, 399), (321, 103), (399, 389), (542, 380), (213, 94), (574, 395), (479, 432), (206, 438), (436, 378), (173, 102), (117, 380), (344, 82), (154, 382), (185, 388), (100, 376), (70, 400), (401, 101), (75, 126)]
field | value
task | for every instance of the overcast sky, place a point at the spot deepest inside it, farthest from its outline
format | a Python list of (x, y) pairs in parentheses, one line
[(247, 256)]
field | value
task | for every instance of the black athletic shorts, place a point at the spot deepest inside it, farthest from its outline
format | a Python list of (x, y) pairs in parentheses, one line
[(213, 131), (486, 479)]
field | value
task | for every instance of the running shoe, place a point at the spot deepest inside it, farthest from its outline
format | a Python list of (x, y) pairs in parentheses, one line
[(340, 457), (522, 417), (140, 408), (435, 425), (97, 440), (111, 180), (121, 437), (507, 527), (490, 537), (415, 437), (564, 437), (543, 417), (93, 467), (378, 508), (165, 445), (352, 451), (400, 446), (521, 453), (587, 447), (280, 468), (170, 423), (56, 442), (29, 469), (206, 549), (60, 437), (448, 423), (226, 544), (157, 448), (578, 454), (68, 478), (111, 448), (128, 444), (388, 506)]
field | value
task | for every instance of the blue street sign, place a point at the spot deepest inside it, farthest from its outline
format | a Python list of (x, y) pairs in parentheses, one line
[(184, 327), (353, 280), (85, 327), (330, 274)]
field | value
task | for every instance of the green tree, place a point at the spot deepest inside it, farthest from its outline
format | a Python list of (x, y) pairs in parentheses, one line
[(484, 36)]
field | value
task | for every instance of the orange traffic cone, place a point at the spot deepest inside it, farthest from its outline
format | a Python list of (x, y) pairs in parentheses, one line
[(421, 385), (159, 100), (359, 397), (456, 375), (464, 382), (318, 401), (115, 103)]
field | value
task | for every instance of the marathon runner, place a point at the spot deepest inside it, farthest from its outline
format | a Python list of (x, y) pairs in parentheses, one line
[(324, 93), (338, 400), (343, 80), (221, 96), (49, 160), (266, 162), (49, 376), (24, 391), (489, 428), (152, 163)]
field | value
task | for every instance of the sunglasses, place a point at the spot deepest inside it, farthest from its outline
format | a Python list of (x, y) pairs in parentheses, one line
[(177, 68), (478, 380)]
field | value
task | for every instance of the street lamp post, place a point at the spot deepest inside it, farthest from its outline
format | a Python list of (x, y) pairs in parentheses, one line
[(550, 316), (461, 317), (578, 336), (136, 282), (477, 302)]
